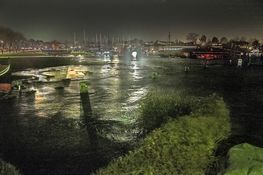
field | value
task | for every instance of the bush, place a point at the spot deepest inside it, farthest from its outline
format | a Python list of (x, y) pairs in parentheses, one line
[(159, 106), (7, 169), (184, 145), (245, 159)]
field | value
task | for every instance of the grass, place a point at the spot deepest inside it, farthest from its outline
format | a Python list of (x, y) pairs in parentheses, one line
[(7, 169), (187, 134), (21, 54), (159, 106), (83, 53)]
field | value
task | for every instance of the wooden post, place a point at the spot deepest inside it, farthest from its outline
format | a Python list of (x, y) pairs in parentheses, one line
[(86, 113)]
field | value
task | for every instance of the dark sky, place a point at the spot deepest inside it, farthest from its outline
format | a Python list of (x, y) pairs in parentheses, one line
[(146, 19)]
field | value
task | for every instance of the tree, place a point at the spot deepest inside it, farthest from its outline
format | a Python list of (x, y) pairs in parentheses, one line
[(215, 40), (243, 38), (192, 37), (255, 43), (203, 39), (10, 38), (223, 40)]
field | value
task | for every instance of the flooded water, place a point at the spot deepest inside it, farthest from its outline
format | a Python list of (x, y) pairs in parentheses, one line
[(45, 133)]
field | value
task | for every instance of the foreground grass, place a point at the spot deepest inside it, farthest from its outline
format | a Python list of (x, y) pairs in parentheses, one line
[(159, 106), (7, 169), (188, 134)]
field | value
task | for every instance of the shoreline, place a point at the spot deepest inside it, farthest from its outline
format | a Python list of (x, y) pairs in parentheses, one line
[(33, 56)]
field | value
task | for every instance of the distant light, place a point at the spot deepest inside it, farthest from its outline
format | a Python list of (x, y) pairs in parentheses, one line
[(134, 54)]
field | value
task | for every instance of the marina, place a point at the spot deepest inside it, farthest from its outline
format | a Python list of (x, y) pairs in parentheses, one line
[(115, 91)]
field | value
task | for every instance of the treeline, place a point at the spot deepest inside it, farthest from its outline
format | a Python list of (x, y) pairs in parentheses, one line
[(10, 40), (203, 39)]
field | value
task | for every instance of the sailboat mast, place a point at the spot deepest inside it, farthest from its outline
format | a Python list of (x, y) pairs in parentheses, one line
[(84, 37)]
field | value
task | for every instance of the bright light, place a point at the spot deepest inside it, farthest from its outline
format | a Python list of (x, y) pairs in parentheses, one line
[(134, 54)]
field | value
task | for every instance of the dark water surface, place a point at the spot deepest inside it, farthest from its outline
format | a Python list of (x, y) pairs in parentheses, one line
[(46, 133)]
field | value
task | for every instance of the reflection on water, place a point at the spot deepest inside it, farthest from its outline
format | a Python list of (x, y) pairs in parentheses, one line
[(49, 120), (43, 133), (115, 90), (135, 71), (135, 96)]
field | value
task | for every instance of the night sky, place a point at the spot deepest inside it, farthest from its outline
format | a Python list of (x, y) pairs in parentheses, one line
[(146, 19)]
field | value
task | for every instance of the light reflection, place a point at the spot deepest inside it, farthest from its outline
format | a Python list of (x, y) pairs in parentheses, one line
[(114, 98), (49, 101), (115, 59), (44, 103), (77, 72), (105, 70), (135, 70), (137, 95), (80, 58)]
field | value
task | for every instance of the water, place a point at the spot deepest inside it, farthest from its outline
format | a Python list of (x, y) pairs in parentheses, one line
[(45, 133)]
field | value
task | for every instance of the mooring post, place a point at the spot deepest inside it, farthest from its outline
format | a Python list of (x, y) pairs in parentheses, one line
[(85, 101), (86, 113)]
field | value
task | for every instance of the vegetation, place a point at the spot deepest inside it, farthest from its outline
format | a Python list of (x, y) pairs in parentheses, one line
[(203, 39), (185, 142), (255, 43), (245, 159), (192, 37), (10, 39), (21, 54), (84, 87), (215, 40), (155, 75), (223, 40), (7, 169), (158, 107), (82, 53)]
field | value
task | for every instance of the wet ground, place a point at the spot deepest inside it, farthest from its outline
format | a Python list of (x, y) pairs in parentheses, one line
[(45, 133)]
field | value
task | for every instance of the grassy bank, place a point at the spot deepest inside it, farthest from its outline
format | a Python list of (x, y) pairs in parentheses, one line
[(187, 134), (20, 54), (7, 169), (82, 53)]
